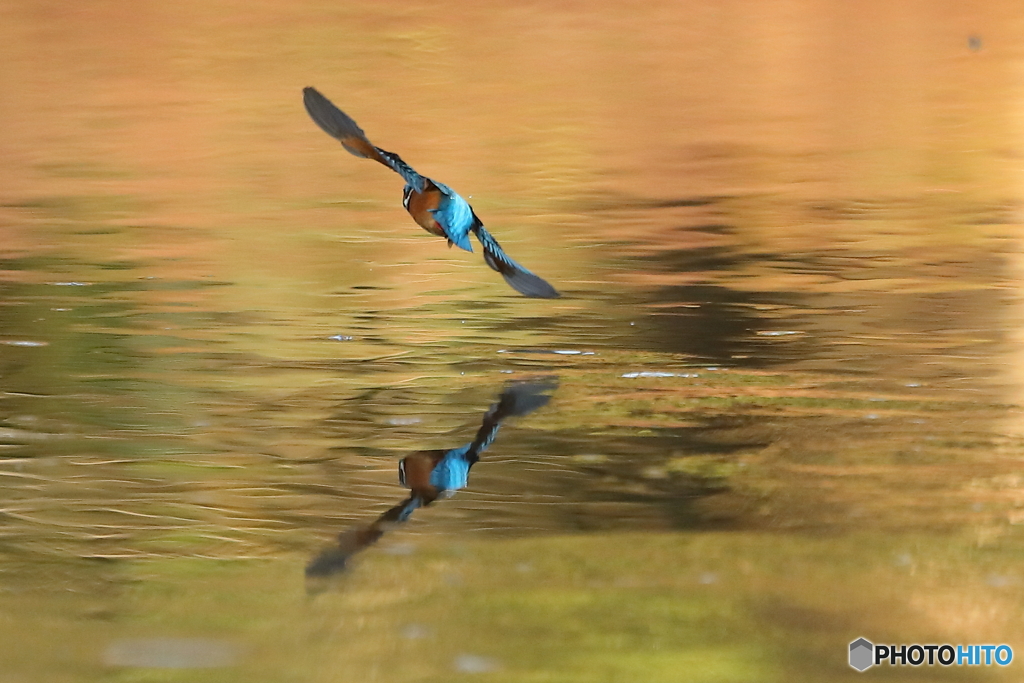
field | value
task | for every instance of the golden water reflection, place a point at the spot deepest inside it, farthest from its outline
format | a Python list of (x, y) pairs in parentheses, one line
[(788, 236)]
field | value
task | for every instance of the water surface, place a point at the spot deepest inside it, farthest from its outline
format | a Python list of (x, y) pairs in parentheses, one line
[(787, 355)]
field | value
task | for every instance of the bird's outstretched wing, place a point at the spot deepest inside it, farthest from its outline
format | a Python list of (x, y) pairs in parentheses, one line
[(519, 278), (340, 125)]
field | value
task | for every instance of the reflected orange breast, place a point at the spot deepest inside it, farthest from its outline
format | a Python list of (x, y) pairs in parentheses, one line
[(416, 469)]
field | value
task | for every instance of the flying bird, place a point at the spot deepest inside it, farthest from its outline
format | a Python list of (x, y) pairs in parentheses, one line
[(434, 206)]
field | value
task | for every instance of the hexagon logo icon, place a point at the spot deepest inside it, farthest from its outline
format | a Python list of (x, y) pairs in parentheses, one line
[(862, 654)]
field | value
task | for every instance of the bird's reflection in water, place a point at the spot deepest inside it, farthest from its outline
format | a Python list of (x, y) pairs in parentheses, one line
[(430, 475)]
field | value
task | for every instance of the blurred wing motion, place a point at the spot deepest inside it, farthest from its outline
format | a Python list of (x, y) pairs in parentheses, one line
[(340, 125), (518, 278)]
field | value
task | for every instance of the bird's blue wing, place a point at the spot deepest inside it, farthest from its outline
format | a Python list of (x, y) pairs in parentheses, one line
[(519, 278), (455, 216), (396, 164)]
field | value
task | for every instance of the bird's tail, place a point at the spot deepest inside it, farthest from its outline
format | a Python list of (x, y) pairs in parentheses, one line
[(340, 125), (519, 278)]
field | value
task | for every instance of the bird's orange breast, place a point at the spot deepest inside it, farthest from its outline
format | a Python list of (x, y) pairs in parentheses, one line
[(420, 204)]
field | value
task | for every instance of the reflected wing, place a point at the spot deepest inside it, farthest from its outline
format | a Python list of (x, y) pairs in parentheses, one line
[(517, 400)]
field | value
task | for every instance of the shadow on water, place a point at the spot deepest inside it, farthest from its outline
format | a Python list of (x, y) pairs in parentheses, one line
[(714, 322), (700, 295), (684, 282), (431, 475)]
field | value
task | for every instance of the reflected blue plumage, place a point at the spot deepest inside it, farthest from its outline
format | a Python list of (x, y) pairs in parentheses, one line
[(407, 507), (452, 473)]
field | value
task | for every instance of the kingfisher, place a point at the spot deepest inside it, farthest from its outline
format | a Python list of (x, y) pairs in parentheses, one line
[(432, 475), (434, 206)]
